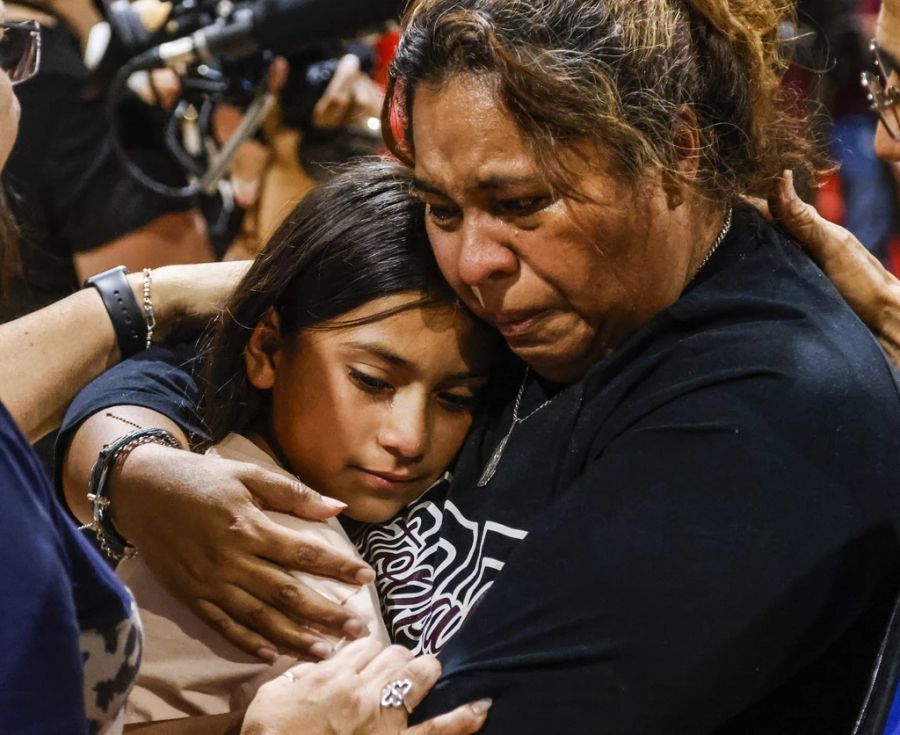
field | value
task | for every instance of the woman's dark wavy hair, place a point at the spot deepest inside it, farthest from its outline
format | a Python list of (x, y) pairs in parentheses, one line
[(358, 237), (620, 74)]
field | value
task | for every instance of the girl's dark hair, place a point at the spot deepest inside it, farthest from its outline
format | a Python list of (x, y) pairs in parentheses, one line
[(358, 237)]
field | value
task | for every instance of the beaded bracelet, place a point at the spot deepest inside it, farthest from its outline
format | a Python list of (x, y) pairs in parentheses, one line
[(149, 314), (111, 541)]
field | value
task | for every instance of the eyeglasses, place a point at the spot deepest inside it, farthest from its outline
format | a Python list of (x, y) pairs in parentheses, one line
[(883, 96), (20, 50)]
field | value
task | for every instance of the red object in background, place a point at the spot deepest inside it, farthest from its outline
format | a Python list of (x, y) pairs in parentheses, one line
[(385, 48), (830, 200), (894, 255), (868, 6)]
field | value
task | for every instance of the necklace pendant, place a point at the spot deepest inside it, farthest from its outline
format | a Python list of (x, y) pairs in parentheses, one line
[(491, 467)]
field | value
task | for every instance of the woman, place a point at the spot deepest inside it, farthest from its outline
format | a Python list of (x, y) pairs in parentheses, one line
[(700, 441)]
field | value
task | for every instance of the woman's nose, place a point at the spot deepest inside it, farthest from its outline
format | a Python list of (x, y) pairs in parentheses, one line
[(484, 253), (404, 432)]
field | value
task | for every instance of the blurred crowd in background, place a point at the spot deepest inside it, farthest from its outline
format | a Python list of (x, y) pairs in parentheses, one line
[(861, 194), (75, 158), (87, 211)]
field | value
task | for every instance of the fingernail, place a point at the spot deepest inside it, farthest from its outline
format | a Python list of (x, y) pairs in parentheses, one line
[(481, 706), (320, 650), (365, 576), (267, 654), (333, 502), (245, 191), (355, 627)]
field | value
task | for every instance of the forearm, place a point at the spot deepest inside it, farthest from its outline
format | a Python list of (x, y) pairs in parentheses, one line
[(227, 724), (171, 238), (98, 430), (47, 356)]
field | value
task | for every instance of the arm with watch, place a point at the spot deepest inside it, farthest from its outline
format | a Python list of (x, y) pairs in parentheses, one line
[(197, 521), (72, 341)]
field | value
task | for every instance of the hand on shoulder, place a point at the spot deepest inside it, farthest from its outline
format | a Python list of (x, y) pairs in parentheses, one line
[(870, 290)]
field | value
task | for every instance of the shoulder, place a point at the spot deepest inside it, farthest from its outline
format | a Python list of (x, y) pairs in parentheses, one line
[(763, 346), (765, 312)]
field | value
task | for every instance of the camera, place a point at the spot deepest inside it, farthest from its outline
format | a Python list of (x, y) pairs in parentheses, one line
[(221, 51)]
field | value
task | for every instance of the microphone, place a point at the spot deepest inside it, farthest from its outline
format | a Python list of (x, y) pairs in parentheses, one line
[(280, 26)]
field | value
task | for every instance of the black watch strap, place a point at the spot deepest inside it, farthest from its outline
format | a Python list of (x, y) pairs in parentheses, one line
[(124, 312)]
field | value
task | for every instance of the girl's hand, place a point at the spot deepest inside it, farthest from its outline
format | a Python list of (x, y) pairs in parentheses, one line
[(343, 695), (870, 290), (198, 523)]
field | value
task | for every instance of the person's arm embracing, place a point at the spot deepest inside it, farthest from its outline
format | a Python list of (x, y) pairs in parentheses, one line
[(343, 695), (870, 290), (198, 521), (47, 356)]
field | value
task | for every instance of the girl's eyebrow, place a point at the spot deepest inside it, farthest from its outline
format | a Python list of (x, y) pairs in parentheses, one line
[(385, 353), (381, 350)]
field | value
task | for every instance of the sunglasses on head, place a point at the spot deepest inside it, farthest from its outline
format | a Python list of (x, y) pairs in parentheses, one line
[(20, 50)]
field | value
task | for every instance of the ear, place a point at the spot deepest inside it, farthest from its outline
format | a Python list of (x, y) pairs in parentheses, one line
[(263, 351), (686, 139)]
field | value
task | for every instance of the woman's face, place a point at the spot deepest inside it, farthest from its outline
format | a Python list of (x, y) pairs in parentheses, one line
[(372, 414), (564, 282), (9, 110)]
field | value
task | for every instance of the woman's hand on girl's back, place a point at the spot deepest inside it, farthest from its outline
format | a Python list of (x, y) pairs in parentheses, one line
[(343, 695), (200, 527), (870, 290)]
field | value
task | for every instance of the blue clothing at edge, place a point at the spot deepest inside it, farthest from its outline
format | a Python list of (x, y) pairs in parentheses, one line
[(54, 585)]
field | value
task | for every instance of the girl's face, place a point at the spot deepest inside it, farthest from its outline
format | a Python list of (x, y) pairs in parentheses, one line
[(565, 282), (371, 414)]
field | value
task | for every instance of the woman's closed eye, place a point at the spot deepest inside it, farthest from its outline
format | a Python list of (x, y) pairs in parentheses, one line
[(463, 402), (442, 214), (369, 383), (522, 206)]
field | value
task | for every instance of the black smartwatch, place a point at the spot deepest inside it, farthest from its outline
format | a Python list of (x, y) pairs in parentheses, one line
[(124, 313)]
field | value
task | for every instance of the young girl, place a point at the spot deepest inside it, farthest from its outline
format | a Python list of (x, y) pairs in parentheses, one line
[(345, 360)]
